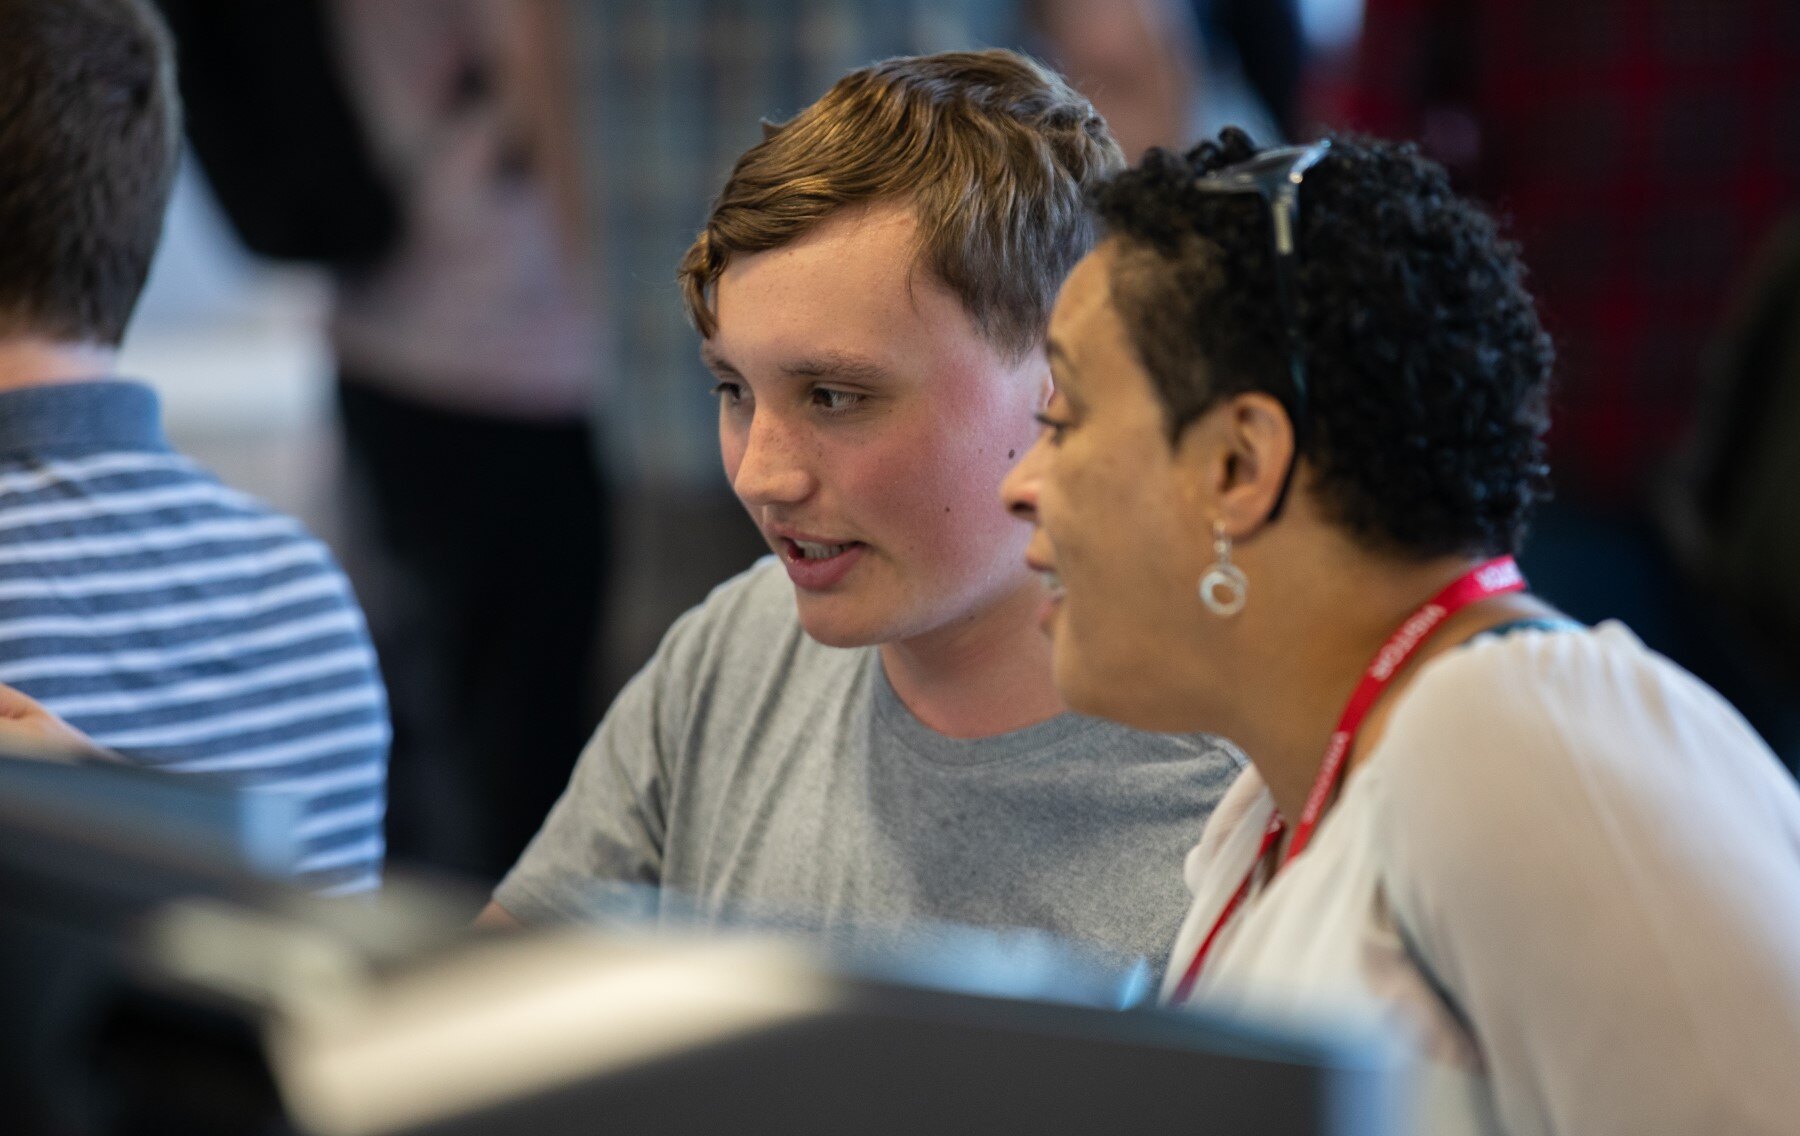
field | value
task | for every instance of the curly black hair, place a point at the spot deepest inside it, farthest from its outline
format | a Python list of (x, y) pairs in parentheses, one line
[(1426, 366)]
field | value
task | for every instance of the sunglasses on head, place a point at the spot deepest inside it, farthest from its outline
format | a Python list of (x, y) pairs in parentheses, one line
[(1275, 175)]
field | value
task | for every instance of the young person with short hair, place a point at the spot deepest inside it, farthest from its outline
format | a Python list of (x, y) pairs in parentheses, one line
[(170, 618), (861, 730)]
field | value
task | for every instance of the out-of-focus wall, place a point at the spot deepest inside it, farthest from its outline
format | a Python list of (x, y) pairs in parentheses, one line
[(1331, 25), (236, 348)]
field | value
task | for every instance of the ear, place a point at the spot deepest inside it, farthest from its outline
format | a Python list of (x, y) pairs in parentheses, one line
[(1236, 456)]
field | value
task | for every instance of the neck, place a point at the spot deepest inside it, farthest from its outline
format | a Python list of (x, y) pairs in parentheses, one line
[(1318, 649), (31, 362), (986, 674)]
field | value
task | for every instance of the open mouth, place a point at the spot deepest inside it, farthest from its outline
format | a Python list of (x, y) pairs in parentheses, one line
[(816, 565), (811, 550)]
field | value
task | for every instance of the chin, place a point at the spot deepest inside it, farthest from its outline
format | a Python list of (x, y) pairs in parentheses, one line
[(833, 636), (830, 624)]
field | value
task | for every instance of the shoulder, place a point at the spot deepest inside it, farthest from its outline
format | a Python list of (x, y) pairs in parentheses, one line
[(743, 646), (99, 487), (731, 674), (755, 606), (124, 549), (1571, 736), (761, 594), (118, 509), (1592, 855), (1544, 699)]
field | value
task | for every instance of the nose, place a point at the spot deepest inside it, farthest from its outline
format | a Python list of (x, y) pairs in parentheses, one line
[(1019, 490), (771, 467)]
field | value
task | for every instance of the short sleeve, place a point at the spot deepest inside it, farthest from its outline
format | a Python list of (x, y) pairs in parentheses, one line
[(610, 824), (1599, 863)]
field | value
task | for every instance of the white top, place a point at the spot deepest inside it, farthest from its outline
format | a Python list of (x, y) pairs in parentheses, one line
[(1568, 868)]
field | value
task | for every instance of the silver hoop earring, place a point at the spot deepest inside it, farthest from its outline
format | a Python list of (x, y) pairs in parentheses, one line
[(1223, 587)]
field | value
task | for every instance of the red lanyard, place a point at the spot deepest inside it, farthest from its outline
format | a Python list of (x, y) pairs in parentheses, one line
[(1496, 577)]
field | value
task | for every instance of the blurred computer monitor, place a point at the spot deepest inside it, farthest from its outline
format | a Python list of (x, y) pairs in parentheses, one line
[(88, 850), (88, 842), (579, 1032), (157, 975)]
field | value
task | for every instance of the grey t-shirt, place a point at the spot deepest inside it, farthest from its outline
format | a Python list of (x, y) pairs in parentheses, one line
[(757, 773)]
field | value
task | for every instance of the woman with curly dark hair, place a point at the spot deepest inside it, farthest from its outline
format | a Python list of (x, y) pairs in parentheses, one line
[(1295, 438)]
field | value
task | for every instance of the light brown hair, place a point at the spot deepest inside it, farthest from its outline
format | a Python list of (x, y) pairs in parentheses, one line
[(994, 152)]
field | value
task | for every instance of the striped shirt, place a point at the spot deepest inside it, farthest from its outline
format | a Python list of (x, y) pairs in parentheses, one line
[(183, 623)]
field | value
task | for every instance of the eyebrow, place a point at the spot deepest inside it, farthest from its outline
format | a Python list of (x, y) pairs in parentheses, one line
[(714, 361), (837, 365)]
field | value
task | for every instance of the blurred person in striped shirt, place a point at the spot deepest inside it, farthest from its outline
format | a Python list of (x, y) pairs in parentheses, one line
[(170, 618)]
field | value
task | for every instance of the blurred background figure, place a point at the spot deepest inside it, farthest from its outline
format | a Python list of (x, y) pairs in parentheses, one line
[(1642, 153), (1137, 63), (1255, 54), (402, 144), (174, 620), (468, 369)]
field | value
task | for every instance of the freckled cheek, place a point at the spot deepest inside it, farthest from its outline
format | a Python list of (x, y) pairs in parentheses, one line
[(731, 448), (945, 504)]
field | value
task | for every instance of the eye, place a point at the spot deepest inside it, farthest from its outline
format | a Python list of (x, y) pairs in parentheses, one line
[(731, 392), (1056, 427), (836, 401)]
